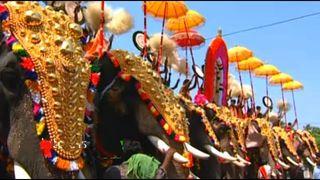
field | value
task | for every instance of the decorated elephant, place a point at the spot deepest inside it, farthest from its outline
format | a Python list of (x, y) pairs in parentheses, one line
[(289, 153), (43, 106), (306, 151), (130, 92), (211, 135)]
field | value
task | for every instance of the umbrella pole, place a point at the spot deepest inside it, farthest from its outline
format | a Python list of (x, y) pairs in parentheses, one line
[(242, 97), (187, 72), (253, 100), (285, 116), (267, 91), (161, 39), (191, 52), (145, 28), (294, 107), (102, 21)]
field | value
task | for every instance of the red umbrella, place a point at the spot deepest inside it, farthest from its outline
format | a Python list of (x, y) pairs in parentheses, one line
[(188, 38), (181, 38)]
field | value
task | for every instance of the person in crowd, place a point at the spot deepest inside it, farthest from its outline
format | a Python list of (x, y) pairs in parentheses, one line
[(233, 107), (139, 165), (240, 106), (258, 112), (316, 171)]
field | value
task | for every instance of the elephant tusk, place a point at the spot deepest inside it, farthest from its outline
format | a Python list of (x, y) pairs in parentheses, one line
[(292, 161), (196, 152), (239, 164), (217, 153), (81, 175), (311, 162), (229, 157), (284, 165), (163, 147), (243, 160), (314, 156), (20, 172)]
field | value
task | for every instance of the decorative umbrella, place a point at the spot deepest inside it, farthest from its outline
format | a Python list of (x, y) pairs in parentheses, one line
[(188, 38), (281, 78), (238, 54), (266, 70), (292, 86), (249, 65), (190, 20), (184, 24), (165, 9), (182, 39)]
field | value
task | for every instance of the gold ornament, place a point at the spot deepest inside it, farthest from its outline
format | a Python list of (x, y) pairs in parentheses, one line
[(282, 134), (166, 104), (62, 79)]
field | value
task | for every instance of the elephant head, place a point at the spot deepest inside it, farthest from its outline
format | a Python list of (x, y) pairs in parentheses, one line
[(134, 96), (289, 152), (210, 134), (27, 103), (261, 146)]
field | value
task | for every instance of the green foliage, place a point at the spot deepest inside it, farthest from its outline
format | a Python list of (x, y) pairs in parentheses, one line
[(315, 131)]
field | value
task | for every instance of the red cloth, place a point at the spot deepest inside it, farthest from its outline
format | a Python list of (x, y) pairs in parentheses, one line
[(46, 147), (27, 64)]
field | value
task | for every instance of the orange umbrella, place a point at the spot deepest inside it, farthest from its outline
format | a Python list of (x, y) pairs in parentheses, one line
[(293, 86), (165, 9), (266, 70), (281, 78), (249, 65), (238, 54), (190, 20)]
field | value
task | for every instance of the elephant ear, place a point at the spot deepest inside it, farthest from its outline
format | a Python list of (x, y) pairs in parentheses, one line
[(72, 11), (10, 78)]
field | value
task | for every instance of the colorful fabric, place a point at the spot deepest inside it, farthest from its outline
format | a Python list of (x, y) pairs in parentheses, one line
[(141, 166)]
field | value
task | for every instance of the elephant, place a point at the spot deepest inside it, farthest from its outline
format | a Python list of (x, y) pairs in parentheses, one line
[(17, 114), (205, 135), (305, 152), (19, 128), (289, 153), (122, 112), (261, 147)]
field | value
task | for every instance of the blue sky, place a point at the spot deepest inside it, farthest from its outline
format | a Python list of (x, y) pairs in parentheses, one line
[(292, 47)]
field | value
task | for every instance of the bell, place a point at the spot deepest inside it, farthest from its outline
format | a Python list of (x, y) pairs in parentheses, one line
[(57, 105), (52, 77), (76, 29), (49, 63), (55, 91), (43, 49), (32, 18), (58, 117), (23, 33), (58, 29), (67, 47), (58, 40)]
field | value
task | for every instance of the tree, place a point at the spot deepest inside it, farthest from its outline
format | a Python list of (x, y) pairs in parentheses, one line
[(315, 132)]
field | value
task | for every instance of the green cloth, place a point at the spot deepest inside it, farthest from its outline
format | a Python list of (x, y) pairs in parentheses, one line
[(141, 166)]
